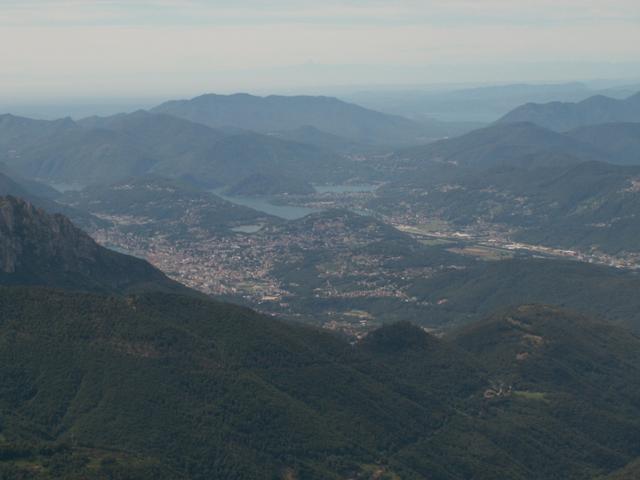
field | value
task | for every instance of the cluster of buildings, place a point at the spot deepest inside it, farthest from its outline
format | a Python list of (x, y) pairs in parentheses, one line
[(244, 264)]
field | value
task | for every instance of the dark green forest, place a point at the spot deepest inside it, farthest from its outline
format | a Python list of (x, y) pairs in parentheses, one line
[(98, 386)]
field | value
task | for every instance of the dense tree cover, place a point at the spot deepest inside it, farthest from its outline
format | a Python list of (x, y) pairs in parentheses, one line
[(162, 382), (629, 472), (483, 287)]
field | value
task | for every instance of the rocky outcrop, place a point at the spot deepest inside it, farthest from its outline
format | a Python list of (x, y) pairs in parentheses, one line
[(42, 249)]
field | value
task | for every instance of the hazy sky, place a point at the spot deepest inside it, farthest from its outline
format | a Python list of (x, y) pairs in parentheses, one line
[(171, 47)]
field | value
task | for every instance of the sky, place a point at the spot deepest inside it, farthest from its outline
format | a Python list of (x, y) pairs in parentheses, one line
[(166, 48)]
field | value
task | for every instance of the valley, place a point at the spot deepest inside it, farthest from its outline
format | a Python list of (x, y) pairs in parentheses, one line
[(334, 267), (351, 308)]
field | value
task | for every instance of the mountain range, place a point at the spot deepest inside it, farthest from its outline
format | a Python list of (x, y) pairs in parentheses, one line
[(105, 150), (280, 114), (521, 144), (303, 139), (562, 117)]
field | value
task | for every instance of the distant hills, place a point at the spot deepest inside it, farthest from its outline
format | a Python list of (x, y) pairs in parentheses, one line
[(63, 151), (576, 189), (48, 250), (620, 140), (567, 116), (105, 150), (238, 156), (313, 136), (279, 113), (487, 286), (586, 205), (15, 130), (592, 205), (522, 144), (216, 141)]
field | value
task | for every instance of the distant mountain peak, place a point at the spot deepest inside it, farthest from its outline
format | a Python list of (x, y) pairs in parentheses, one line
[(567, 116), (282, 113)]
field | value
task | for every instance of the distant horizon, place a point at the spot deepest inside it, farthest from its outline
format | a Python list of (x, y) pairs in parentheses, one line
[(116, 48), (79, 106), (336, 89)]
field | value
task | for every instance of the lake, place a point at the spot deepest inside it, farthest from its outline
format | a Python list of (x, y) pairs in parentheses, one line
[(261, 204), (247, 228), (289, 212), (345, 188)]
